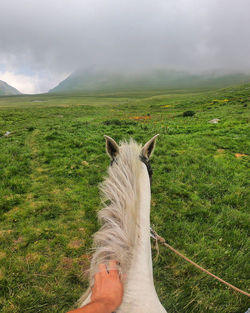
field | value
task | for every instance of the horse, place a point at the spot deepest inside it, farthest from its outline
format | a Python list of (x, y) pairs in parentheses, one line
[(125, 232)]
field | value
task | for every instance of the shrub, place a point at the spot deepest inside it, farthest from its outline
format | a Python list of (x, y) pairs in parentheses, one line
[(119, 122), (188, 113), (31, 128), (112, 122)]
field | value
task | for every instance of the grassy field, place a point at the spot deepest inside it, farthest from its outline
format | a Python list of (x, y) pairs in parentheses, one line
[(54, 158)]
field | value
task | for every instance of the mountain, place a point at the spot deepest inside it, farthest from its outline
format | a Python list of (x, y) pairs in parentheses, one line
[(92, 80), (7, 90)]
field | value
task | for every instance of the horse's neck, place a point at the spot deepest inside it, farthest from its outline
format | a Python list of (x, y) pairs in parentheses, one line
[(140, 295), (142, 254)]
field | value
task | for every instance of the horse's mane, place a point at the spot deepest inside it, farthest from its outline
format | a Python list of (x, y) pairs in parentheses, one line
[(119, 216)]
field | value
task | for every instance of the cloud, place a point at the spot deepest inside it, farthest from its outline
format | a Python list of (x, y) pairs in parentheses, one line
[(56, 37), (24, 84), (31, 83)]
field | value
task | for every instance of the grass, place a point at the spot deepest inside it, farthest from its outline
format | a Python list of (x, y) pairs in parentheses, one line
[(54, 158)]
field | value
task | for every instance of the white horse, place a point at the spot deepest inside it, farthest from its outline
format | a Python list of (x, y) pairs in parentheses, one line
[(125, 232)]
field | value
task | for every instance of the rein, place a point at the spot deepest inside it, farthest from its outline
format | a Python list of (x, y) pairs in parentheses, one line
[(163, 241)]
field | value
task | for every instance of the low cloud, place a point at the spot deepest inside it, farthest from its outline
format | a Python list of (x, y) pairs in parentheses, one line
[(25, 84), (30, 84)]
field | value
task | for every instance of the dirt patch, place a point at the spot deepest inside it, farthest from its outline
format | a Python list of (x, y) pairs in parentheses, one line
[(220, 150), (2, 255), (240, 155), (18, 240), (75, 244), (4, 233), (67, 262)]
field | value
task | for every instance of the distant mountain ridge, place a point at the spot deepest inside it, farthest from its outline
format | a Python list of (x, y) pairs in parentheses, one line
[(91, 80), (7, 90)]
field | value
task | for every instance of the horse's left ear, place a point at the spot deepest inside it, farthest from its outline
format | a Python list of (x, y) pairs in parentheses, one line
[(148, 148), (112, 147)]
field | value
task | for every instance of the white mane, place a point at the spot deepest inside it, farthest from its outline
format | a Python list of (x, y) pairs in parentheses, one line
[(116, 237), (119, 218)]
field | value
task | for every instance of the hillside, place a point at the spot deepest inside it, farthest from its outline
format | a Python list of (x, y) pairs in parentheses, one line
[(7, 90), (91, 80)]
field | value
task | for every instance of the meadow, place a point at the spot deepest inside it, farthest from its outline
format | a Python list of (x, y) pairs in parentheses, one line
[(54, 158)]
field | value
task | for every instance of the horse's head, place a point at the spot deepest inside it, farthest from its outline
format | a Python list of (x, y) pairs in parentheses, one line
[(143, 154)]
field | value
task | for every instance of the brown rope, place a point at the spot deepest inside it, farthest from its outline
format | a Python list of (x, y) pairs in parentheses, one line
[(163, 241)]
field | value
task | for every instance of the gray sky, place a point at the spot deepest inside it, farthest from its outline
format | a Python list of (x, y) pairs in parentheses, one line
[(42, 41)]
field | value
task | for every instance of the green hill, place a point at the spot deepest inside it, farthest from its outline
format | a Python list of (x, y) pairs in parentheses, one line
[(91, 80), (7, 90)]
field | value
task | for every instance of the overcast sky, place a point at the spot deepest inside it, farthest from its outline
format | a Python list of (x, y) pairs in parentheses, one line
[(42, 41)]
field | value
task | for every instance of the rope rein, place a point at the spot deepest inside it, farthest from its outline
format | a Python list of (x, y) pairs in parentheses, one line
[(163, 241)]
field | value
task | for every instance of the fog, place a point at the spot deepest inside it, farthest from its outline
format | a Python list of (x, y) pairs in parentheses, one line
[(42, 41)]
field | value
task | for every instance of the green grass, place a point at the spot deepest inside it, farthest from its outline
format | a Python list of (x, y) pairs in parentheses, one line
[(54, 158)]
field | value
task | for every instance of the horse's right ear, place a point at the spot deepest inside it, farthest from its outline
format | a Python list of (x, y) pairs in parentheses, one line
[(148, 148), (112, 147)]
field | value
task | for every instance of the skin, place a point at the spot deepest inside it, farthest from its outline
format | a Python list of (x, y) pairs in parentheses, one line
[(107, 292)]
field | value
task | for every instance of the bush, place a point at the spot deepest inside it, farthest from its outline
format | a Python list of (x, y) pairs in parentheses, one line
[(112, 122), (119, 122), (31, 128), (188, 113)]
